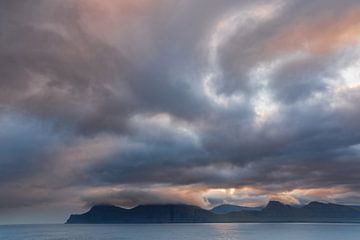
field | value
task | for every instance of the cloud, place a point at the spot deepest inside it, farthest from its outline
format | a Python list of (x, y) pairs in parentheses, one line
[(25, 143), (131, 102), (130, 197)]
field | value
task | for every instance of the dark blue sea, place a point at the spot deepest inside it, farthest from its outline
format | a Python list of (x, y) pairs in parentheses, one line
[(241, 231)]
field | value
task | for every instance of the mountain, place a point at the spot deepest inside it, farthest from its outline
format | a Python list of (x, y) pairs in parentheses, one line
[(178, 213), (355, 207), (169, 213), (312, 212), (227, 208)]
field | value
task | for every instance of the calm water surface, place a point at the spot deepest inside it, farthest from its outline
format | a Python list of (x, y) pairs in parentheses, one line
[(239, 231)]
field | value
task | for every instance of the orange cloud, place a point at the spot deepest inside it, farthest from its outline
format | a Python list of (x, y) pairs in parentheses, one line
[(321, 36), (257, 196), (123, 24)]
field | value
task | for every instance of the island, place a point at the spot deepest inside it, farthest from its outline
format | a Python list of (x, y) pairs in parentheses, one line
[(274, 211)]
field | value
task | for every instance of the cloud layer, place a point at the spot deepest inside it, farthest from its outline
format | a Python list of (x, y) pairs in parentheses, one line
[(202, 102)]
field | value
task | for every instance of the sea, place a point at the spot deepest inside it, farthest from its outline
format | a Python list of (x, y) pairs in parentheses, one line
[(226, 231)]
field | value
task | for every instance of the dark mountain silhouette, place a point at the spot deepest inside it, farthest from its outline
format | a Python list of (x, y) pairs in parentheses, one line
[(228, 208), (313, 212), (178, 213), (169, 213), (355, 207)]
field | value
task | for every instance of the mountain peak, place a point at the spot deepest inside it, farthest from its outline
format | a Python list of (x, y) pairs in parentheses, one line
[(316, 203), (273, 203), (103, 207)]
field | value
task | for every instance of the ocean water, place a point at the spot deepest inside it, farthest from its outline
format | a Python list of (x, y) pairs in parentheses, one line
[(238, 231)]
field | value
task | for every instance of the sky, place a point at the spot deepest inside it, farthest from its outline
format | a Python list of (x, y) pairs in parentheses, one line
[(201, 102)]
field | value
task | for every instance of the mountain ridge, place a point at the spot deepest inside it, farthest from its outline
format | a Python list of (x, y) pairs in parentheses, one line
[(274, 211), (227, 208)]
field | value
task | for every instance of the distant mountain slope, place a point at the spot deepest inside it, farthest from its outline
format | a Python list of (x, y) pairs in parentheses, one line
[(355, 207), (177, 213), (227, 208), (313, 212)]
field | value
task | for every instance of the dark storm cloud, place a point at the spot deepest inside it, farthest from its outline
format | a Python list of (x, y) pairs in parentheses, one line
[(25, 143), (145, 97), (54, 75)]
